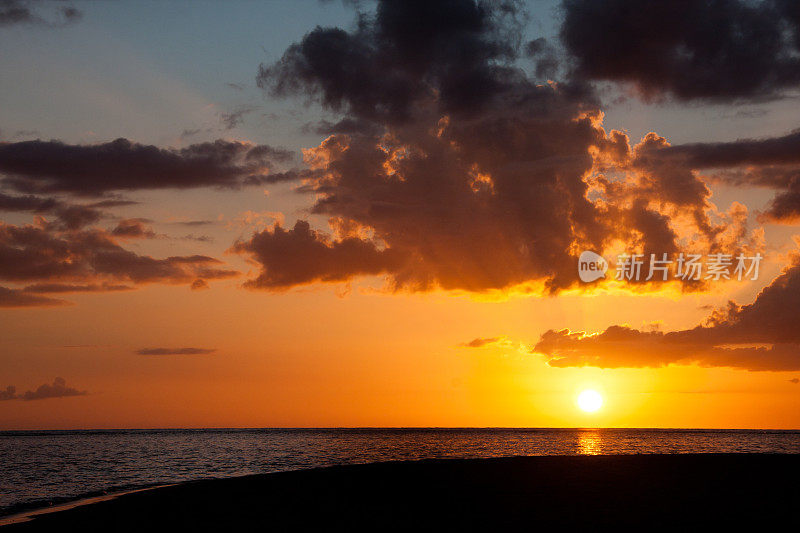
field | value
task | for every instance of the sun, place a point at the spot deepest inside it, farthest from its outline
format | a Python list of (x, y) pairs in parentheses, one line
[(590, 401)]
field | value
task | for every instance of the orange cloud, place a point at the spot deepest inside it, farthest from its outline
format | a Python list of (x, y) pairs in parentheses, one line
[(759, 336)]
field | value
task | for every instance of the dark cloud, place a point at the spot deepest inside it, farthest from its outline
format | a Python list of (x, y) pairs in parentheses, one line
[(781, 150), (185, 134), (54, 288), (22, 298), (73, 217), (293, 174), (480, 342), (301, 255), (234, 118), (718, 50), (759, 336), (133, 228), (53, 166), (794, 381), (28, 12), (785, 207), (198, 238), (89, 261), (199, 285), (112, 202), (457, 170), (772, 163), (545, 58), (71, 14), (69, 216), (175, 351), (382, 70), (58, 389), (194, 223), (32, 203)]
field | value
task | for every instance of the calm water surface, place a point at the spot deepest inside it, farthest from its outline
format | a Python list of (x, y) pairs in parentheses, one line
[(38, 468)]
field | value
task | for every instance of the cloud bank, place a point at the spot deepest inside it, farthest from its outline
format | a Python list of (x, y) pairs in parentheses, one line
[(718, 51), (762, 336), (53, 166), (452, 168), (51, 260)]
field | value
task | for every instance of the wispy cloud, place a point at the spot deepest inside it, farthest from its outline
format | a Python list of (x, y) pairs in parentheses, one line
[(21, 298), (175, 351), (234, 118)]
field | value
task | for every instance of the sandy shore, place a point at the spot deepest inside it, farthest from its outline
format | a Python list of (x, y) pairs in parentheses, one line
[(642, 492)]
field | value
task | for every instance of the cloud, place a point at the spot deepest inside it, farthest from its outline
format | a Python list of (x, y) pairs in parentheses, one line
[(31, 203), (69, 216), (483, 342), (195, 223), (52, 288), (381, 70), (785, 206), (53, 166), (191, 132), (480, 342), (780, 150), (112, 202), (794, 381), (451, 168), (198, 238), (58, 389), (199, 285), (771, 163), (133, 228), (88, 260), (21, 298), (715, 51), (14, 12), (761, 336), (236, 117), (301, 255), (175, 351)]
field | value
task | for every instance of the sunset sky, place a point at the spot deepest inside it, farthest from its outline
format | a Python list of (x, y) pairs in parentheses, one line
[(318, 214)]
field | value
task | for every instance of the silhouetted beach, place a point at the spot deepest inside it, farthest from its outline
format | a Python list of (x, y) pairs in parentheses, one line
[(646, 492)]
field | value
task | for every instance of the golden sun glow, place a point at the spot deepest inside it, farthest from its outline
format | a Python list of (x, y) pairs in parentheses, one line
[(590, 401)]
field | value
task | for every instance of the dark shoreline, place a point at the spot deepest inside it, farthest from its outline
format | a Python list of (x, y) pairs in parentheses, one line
[(645, 492), (57, 502)]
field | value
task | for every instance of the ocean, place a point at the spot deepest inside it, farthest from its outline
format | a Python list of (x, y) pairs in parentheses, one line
[(42, 468)]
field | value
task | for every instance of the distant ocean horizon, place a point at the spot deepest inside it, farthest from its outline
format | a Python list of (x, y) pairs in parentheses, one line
[(46, 467)]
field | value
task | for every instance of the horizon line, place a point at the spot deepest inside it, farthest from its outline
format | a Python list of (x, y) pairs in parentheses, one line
[(407, 428)]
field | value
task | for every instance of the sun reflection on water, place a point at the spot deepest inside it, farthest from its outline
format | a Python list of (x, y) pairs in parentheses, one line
[(590, 442)]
